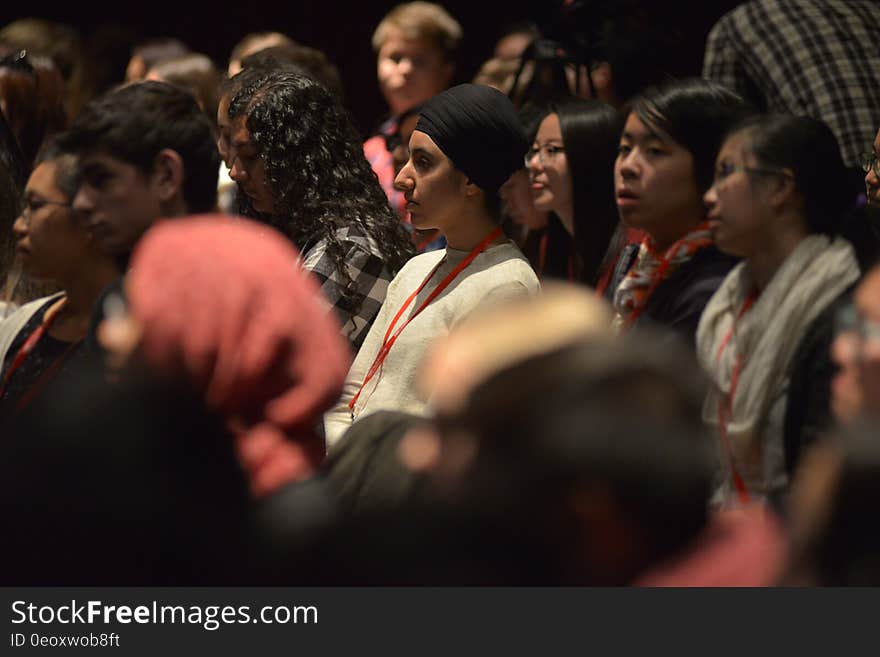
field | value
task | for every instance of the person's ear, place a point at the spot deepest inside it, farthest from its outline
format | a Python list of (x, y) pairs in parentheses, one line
[(168, 174), (782, 190)]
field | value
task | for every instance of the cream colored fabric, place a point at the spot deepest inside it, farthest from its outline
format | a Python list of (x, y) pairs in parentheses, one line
[(498, 273), (765, 338)]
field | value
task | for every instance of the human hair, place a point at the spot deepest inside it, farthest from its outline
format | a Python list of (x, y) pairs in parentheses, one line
[(156, 51), (697, 114), (311, 62), (590, 134), (246, 44), (421, 20), (807, 147), (315, 167), (197, 74), (66, 166), (562, 423), (32, 100), (134, 123)]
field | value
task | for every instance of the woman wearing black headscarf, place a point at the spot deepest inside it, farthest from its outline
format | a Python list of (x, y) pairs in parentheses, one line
[(466, 144)]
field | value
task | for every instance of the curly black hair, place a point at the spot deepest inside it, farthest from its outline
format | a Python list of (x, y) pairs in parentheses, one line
[(315, 166)]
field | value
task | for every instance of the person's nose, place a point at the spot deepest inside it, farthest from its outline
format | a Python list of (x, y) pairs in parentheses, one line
[(628, 165), (20, 227), (710, 198), (844, 348), (871, 179), (534, 164), (83, 201), (237, 172), (404, 182)]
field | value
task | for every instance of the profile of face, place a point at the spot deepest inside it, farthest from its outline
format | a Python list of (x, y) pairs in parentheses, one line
[(51, 240), (855, 389), (739, 215), (872, 174), (410, 71), (246, 165), (433, 188), (549, 173), (136, 69), (517, 202), (119, 201), (654, 179)]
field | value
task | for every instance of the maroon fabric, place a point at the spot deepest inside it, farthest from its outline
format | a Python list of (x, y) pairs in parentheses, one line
[(747, 547), (223, 303)]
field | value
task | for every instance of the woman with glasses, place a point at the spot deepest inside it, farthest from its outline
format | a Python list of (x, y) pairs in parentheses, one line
[(781, 191), (570, 167), (466, 144), (52, 243), (664, 166)]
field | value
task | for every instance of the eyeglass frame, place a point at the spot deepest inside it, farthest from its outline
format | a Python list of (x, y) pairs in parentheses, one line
[(762, 170), (870, 162), (532, 152), (28, 207)]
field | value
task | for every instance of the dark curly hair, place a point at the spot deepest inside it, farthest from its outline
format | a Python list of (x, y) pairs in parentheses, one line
[(315, 166)]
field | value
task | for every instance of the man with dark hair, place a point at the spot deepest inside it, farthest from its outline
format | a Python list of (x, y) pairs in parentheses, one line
[(146, 151)]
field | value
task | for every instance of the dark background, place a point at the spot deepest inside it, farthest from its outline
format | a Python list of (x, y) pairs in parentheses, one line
[(343, 30)]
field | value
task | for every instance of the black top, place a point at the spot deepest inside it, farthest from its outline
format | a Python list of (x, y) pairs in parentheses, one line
[(679, 301), (38, 367)]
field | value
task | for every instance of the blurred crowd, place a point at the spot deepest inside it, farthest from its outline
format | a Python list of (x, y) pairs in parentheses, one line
[(573, 322)]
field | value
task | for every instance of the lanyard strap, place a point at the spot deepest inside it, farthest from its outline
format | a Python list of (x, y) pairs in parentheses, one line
[(727, 404), (391, 335), (32, 341)]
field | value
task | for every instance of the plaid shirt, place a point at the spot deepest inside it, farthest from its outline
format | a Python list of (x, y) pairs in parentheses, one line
[(818, 58), (367, 269)]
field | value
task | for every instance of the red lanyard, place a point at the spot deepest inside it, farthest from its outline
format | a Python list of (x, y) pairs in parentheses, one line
[(727, 405), (28, 347), (390, 339)]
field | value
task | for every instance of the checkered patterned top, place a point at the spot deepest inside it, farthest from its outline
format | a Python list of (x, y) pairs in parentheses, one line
[(818, 58), (367, 269)]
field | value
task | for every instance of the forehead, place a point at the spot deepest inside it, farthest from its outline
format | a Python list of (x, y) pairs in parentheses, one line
[(638, 130), (735, 146), (398, 43), (421, 141), (550, 128), (43, 178)]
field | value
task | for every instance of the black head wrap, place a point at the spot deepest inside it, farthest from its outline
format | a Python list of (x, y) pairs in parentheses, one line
[(477, 128)]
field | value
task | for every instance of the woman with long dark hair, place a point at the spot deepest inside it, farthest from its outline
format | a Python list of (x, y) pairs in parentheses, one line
[(570, 166), (300, 167), (779, 198)]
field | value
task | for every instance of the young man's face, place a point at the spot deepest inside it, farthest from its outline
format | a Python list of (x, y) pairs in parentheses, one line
[(410, 72), (118, 201)]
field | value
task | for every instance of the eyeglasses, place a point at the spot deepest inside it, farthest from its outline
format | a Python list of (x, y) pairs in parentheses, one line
[(871, 163), (726, 170), (546, 153), (849, 320), (30, 204)]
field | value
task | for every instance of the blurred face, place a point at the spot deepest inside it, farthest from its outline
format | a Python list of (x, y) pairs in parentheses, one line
[(737, 216), (433, 188), (549, 172), (118, 202), (410, 72), (51, 241), (856, 351), (872, 180), (400, 153), (517, 203), (247, 168), (654, 180)]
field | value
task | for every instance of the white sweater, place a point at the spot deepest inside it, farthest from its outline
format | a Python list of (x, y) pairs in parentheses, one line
[(499, 272)]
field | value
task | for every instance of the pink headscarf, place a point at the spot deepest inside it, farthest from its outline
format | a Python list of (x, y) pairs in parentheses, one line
[(224, 304)]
